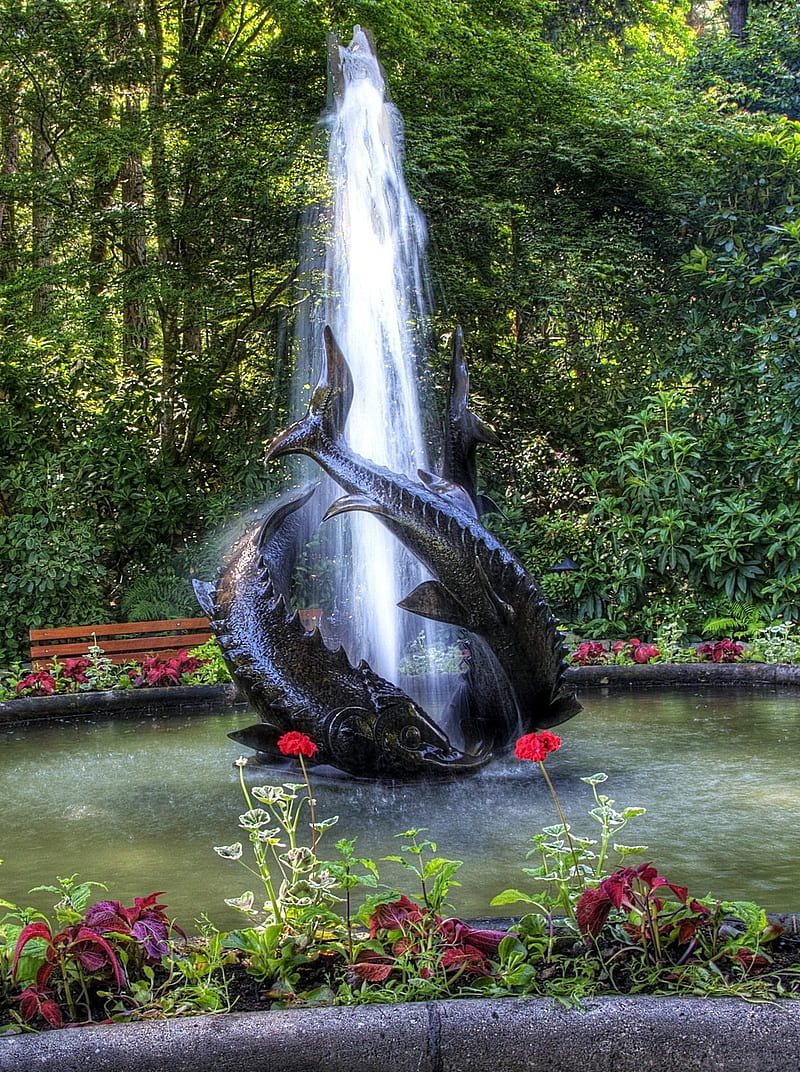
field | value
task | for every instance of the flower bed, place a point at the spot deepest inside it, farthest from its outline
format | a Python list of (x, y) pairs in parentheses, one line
[(596, 924)]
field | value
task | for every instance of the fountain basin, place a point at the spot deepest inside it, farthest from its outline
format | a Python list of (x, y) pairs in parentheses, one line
[(624, 1034), (139, 801)]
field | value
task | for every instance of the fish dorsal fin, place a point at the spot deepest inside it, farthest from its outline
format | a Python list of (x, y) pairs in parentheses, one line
[(327, 411), (432, 600), (204, 593), (454, 493), (473, 428), (339, 385)]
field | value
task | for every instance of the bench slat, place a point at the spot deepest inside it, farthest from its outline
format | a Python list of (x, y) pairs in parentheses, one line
[(171, 625), (122, 642)]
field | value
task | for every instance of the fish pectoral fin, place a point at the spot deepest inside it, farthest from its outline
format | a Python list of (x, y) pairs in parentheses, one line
[(432, 600), (262, 736), (347, 503), (453, 493), (487, 505), (479, 431)]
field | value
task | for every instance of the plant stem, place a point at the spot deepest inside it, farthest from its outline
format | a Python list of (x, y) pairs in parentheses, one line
[(312, 815), (563, 819)]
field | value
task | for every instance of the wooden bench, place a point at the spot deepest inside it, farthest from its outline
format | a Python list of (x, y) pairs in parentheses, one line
[(124, 642)]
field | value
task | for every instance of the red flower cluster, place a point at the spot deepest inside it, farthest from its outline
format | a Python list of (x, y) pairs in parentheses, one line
[(536, 746), (295, 743)]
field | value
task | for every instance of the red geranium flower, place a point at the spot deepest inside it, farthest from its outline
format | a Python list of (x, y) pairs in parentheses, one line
[(536, 746), (296, 744)]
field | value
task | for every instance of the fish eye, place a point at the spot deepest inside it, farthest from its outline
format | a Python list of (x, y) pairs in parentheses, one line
[(410, 737)]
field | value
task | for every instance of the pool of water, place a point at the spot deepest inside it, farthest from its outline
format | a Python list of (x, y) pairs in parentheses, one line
[(138, 803)]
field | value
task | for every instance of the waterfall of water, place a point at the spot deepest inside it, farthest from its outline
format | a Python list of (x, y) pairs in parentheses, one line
[(375, 299)]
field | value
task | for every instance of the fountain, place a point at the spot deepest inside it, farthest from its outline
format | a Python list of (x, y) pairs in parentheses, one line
[(412, 549), (445, 569)]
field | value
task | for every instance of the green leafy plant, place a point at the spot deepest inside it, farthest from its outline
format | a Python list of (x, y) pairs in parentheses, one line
[(298, 888), (153, 597), (776, 643), (213, 670), (422, 658)]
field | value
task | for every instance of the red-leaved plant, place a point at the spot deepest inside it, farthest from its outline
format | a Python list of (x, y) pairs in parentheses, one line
[(404, 934), (37, 683), (158, 672), (77, 965), (595, 653), (666, 924), (720, 651)]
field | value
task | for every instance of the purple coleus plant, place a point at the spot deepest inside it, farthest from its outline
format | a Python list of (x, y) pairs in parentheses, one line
[(91, 950), (145, 921)]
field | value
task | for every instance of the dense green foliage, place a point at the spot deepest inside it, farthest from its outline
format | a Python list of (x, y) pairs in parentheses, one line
[(611, 197)]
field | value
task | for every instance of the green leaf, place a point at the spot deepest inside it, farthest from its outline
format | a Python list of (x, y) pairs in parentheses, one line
[(511, 896)]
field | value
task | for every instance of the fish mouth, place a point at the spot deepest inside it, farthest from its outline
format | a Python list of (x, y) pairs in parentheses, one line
[(449, 759)]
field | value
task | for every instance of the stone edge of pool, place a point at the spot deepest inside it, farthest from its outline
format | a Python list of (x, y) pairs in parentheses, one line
[(618, 1034), (209, 697)]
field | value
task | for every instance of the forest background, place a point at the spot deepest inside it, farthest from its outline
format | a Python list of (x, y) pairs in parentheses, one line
[(612, 189)]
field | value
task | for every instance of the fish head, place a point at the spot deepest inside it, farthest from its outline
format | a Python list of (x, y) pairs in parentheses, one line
[(409, 742), (324, 421)]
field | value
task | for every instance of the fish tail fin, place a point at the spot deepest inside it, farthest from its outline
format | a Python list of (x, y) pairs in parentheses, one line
[(327, 412), (204, 594), (473, 428)]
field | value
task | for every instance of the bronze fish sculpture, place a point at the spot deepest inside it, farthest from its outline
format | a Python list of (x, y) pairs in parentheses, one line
[(360, 723)]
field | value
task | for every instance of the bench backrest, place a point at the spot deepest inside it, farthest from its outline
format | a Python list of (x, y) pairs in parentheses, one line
[(122, 642)]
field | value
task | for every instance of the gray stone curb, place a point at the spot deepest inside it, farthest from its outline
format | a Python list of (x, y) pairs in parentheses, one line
[(625, 1034), (669, 675), (119, 702)]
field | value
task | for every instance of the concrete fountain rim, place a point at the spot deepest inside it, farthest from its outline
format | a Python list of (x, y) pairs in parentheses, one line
[(614, 1034)]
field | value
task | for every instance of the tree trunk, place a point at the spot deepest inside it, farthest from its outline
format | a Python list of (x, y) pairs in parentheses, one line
[(737, 20), (100, 237), (135, 315), (136, 326), (42, 214), (9, 165)]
